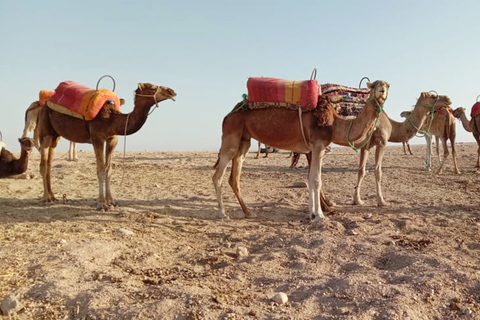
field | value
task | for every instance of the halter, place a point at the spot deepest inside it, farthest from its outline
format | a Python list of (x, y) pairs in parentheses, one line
[(150, 96), (432, 107), (378, 108)]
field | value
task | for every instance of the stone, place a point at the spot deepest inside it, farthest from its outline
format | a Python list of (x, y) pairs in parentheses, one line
[(280, 298), (10, 304), (124, 232), (299, 184), (242, 252)]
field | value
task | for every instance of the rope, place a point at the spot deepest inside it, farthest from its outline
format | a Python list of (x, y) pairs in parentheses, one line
[(70, 201), (124, 149), (301, 127)]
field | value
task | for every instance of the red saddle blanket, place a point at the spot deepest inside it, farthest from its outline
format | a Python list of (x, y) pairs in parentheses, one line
[(475, 109), (303, 93), (77, 100)]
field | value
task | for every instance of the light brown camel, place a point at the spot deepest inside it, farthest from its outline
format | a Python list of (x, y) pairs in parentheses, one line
[(31, 117), (443, 127), (472, 125), (101, 131), (291, 130), (405, 144), (389, 130), (9, 165)]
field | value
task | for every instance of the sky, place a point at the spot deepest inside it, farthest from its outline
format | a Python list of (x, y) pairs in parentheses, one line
[(206, 50)]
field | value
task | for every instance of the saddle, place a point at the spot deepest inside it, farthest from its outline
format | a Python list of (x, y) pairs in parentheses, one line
[(79, 101)]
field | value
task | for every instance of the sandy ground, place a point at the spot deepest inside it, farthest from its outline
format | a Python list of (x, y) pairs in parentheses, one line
[(418, 258)]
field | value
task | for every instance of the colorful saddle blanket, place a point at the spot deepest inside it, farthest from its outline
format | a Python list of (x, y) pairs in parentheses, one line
[(79, 101), (347, 101), (475, 109), (263, 91)]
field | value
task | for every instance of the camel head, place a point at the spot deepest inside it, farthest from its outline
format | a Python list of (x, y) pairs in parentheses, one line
[(158, 92), (379, 90), (26, 144), (429, 100), (457, 113)]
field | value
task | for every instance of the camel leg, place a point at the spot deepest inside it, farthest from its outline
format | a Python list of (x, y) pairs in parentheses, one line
[(259, 149), (360, 176), (315, 185), (266, 151), (437, 145), (111, 144), (30, 125), (235, 174), (454, 155), (404, 150), (445, 155), (47, 151), (409, 150), (428, 161), (324, 201), (72, 152), (379, 153), (99, 155)]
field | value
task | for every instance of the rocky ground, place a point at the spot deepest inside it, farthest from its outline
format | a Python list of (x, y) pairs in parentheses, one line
[(162, 254)]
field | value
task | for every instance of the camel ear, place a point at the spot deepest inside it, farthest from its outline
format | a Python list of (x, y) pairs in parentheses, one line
[(140, 86), (122, 102), (369, 85)]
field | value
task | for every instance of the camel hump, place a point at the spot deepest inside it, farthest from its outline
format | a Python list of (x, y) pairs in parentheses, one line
[(475, 109), (325, 113)]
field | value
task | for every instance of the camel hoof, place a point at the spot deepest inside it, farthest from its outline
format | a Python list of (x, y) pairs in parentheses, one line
[(383, 204), (250, 215), (223, 215), (358, 202), (320, 218)]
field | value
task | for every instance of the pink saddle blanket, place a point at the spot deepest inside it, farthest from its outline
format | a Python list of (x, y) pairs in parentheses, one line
[(81, 101)]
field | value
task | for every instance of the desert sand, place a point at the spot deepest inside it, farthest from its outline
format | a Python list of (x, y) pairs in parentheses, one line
[(162, 254)]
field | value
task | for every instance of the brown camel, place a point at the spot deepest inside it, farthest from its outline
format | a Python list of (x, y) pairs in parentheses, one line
[(292, 130), (443, 127), (472, 125), (101, 131), (9, 165), (31, 117), (405, 144), (389, 130)]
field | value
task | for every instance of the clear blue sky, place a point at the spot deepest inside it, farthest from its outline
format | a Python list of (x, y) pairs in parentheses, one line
[(206, 50)]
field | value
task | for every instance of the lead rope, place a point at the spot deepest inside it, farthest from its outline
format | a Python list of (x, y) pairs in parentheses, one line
[(125, 130), (301, 127)]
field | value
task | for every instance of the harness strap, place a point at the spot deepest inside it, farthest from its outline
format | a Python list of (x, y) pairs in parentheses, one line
[(301, 127)]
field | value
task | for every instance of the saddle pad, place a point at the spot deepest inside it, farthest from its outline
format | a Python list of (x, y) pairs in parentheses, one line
[(303, 93), (78, 100), (348, 102), (475, 109)]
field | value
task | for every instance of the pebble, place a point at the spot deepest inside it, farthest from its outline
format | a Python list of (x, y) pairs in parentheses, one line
[(299, 184), (280, 298), (124, 232), (9, 304), (242, 252)]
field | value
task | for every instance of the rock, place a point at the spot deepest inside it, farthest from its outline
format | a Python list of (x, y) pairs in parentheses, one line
[(124, 232), (299, 184), (9, 304), (242, 252), (280, 298)]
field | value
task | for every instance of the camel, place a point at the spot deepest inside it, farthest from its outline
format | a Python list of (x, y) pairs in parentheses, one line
[(31, 117), (443, 127), (101, 132), (389, 130), (472, 125), (405, 144), (9, 165), (293, 130), (260, 149)]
